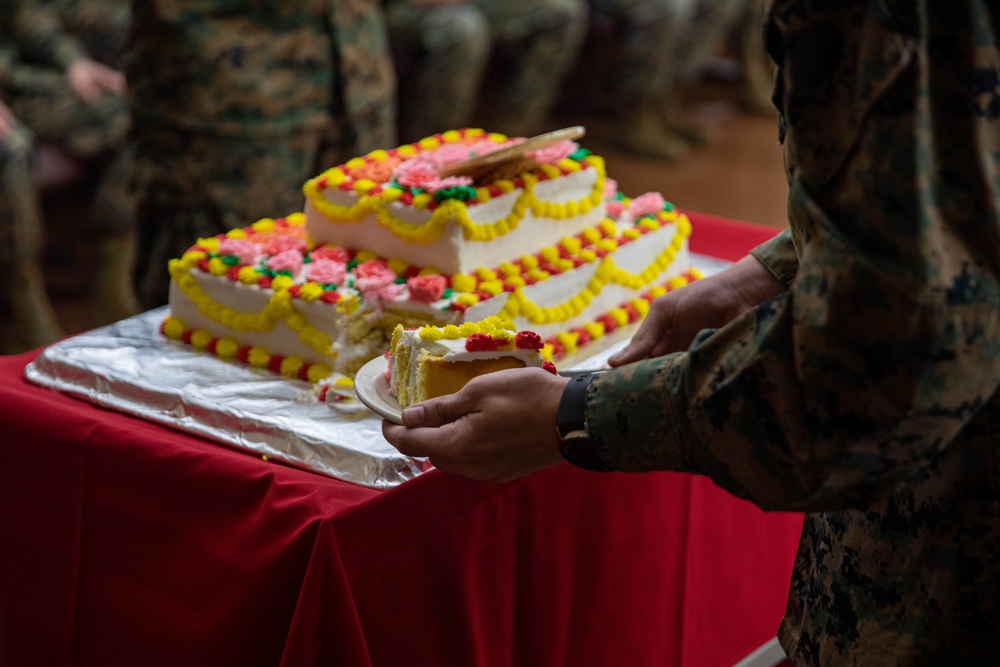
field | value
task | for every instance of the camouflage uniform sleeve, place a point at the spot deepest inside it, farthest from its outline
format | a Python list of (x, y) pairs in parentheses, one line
[(40, 36), (779, 257), (886, 344)]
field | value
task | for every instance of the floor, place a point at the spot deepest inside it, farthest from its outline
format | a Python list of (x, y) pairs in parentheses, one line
[(738, 175)]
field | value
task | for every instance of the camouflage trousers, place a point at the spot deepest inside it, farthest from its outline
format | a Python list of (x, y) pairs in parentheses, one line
[(48, 112), (443, 53), (662, 43), (191, 185)]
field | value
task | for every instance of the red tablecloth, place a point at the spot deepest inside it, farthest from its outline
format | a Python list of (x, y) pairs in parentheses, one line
[(126, 543)]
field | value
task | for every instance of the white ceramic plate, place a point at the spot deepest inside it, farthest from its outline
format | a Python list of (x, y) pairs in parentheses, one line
[(372, 389)]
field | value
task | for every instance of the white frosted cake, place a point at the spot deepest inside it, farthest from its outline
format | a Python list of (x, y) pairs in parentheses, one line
[(553, 248)]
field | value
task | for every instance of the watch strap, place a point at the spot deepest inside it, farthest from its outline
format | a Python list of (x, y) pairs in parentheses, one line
[(575, 443)]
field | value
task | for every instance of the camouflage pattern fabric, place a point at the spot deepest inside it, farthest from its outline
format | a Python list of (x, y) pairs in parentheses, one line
[(237, 104), (99, 24), (444, 52), (34, 50), (21, 229), (663, 43), (866, 395)]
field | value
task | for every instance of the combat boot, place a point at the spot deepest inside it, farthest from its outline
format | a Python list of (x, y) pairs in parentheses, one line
[(112, 295)]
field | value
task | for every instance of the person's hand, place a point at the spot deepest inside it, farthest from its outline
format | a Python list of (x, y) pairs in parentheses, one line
[(6, 120), (499, 427), (90, 80), (675, 318)]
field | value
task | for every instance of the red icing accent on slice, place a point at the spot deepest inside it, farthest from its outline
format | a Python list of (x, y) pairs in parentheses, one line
[(550, 367), (322, 392), (480, 343), (330, 296), (527, 340)]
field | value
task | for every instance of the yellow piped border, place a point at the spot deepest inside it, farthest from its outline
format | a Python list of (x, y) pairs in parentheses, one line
[(453, 209), (607, 272), (279, 307), (226, 348)]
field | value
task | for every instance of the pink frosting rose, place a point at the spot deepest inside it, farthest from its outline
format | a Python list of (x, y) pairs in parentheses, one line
[(280, 244), (326, 271), (555, 152), (332, 252), (647, 204), (288, 260), (610, 188), (415, 173), (448, 182), (614, 208), (375, 268), (243, 250), (426, 289), (447, 154)]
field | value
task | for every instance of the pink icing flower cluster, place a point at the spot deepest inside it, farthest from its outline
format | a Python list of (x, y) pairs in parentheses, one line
[(426, 289), (334, 253), (376, 282), (287, 260), (245, 251), (614, 208), (326, 271), (280, 244), (650, 203), (423, 173)]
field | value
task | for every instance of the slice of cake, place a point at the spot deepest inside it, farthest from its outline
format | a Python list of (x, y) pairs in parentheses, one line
[(434, 361)]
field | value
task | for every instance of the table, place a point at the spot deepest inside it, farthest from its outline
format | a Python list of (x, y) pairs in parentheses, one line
[(125, 542)]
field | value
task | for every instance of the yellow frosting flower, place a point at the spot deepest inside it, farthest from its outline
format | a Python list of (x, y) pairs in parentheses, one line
[(226, 348), (201, 338), (290, 366), (173, 328), (281, 283), (310, 292), (249, 275), (398, 265), (319, 372), (462, 282), (258, 357), (363, 185), (429, 143), (263, 225), (217, 267), (677, 281)]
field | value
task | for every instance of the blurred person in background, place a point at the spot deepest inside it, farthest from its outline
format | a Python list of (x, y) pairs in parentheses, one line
[(444, 50), (53, 92), (236, 103), (662, 47)]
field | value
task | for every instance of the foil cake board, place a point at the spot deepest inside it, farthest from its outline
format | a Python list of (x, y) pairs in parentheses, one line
[(130, 367)]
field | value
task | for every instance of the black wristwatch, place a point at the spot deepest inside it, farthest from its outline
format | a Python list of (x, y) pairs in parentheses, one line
[(575, 443)]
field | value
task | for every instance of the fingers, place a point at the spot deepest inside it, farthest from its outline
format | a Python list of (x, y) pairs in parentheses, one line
[(90, 80), (436, 411), (651, 337)]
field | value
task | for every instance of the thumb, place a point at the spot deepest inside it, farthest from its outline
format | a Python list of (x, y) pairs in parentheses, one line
[(639, 347), (434, 412)]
